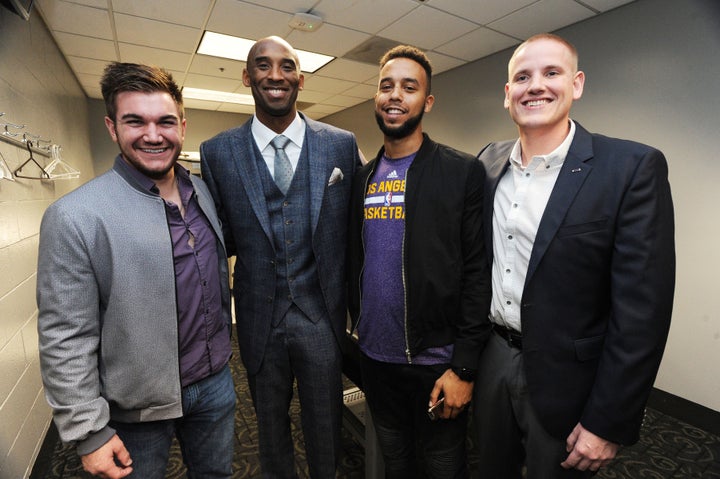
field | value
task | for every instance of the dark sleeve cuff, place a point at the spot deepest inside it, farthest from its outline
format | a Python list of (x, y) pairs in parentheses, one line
[(95, 441)]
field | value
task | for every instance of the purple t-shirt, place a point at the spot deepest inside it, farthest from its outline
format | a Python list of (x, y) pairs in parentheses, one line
[(381, 330)]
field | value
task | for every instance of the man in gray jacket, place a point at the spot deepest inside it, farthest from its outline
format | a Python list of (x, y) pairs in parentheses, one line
[(133, 297)]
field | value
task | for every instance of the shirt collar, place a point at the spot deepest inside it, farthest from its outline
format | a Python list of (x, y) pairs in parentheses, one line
[(148, 183), (554, 158), (264, 135)]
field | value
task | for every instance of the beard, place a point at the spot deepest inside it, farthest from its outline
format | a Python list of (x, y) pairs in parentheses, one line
[(130, 158), (402, 130)]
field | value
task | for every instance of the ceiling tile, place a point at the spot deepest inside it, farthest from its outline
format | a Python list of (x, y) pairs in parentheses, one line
[(363, 16), (477, 44), (87, 65), (153, 56), (73, 18), (344, 101), (328, 85), (441, 63), (90, 81), (469, 8), (348, 70), (92, 3), (374, 80), (324, 109), (310, 96), (207, 82), (191, 13), (329, 40), (151, 33), (361, 91), (248, 21), (216, 66), (81, 46), (427, 28), (542, 16), (288, 6), (605, 5)]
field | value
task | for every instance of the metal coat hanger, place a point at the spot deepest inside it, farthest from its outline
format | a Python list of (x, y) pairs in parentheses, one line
[(43, 174)]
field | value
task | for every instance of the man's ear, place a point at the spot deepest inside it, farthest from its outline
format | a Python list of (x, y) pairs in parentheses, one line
[(429, 102), (578, 85), (110, 125)]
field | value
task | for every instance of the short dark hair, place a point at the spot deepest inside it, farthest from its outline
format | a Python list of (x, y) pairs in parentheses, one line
[(411, 53), (121, 77)]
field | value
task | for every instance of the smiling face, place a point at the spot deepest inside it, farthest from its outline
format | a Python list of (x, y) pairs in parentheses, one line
[(149, 130), (543, 81), (273, 75), (402, 98)]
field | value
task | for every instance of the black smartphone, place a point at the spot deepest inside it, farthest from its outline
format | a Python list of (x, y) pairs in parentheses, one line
[(435, 410)]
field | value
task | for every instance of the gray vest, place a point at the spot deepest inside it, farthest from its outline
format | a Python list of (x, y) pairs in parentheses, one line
[(297, 277)]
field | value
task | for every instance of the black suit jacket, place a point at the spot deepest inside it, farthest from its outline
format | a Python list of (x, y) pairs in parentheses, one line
[(598, 294)]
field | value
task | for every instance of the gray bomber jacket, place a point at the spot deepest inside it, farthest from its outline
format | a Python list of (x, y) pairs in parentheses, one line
[(106, 296)]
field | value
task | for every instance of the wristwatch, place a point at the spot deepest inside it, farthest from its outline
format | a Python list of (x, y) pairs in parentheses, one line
[(465, 374)]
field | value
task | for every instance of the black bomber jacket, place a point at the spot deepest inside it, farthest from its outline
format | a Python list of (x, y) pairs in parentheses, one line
[(444, 265)]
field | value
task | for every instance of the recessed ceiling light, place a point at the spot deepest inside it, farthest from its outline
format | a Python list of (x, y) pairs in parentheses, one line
[(236, 48), (214, 95)]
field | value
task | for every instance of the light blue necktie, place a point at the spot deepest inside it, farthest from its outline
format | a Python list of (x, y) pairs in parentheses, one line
[(283, 168)]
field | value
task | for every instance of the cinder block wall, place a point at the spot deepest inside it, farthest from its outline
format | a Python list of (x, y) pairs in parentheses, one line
[(38, 90)]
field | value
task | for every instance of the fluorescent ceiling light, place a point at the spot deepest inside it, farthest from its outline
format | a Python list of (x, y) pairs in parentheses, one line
[(236, 48), (213, 95)]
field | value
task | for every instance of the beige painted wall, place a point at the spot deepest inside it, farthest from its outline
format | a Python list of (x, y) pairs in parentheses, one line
[(36, 89)]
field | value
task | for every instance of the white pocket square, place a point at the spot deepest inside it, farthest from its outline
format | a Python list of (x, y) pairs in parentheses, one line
[(335, 177)]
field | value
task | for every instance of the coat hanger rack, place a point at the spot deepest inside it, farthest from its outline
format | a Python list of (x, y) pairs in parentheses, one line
[(20, 139), (43, 175)]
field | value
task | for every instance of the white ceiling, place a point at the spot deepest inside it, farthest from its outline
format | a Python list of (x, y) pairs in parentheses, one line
[(91, 33)]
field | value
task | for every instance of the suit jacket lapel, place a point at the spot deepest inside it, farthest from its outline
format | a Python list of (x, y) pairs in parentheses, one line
[(572, 175), (245, 158), (317, 161)]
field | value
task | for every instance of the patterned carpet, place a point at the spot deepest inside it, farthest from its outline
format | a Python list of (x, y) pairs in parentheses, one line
[(668, 449)]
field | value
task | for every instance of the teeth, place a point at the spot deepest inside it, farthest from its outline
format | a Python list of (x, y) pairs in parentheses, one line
[(536, 102), (148, 150), (394, 110)]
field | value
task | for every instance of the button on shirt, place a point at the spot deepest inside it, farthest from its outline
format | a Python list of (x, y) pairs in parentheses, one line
[(264, 135), (519, 204)]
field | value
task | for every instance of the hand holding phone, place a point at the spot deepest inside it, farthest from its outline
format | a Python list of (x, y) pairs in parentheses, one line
[(436, 409)]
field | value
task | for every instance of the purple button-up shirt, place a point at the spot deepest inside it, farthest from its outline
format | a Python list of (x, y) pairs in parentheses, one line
[(202, 350)]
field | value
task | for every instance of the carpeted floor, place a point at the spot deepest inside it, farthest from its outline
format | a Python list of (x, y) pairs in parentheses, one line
[(668, 449)]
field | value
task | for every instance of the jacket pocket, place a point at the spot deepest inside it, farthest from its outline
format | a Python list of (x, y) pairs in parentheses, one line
[(582, 228), (587, 349)]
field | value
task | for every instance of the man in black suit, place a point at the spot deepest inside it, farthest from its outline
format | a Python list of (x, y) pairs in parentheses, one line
[(583, 273)]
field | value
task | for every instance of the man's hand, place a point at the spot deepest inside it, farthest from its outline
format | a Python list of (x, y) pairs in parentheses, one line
[(588, 451), (457, 394), (101, 462)]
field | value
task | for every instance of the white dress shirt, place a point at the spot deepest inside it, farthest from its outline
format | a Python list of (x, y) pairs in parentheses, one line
[(519, 204), (264, 135)]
